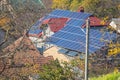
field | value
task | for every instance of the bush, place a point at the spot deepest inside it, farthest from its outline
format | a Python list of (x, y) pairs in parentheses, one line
[(111, 76)]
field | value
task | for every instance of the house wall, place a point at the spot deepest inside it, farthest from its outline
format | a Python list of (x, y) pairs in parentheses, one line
[(115, 26), (53, 51), (48, 32)]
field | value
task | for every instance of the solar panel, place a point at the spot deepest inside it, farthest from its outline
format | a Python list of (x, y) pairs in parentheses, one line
[(75, 22), (69, 14), (52, 16), (73, 30), (63, 51), (72, 53), (74, 38), (36, 31), (36, 25)]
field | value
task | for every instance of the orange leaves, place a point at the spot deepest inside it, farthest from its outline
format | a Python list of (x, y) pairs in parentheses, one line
[(4, 23)]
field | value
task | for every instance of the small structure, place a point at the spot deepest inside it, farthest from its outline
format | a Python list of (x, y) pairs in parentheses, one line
[(115, 23), (80, 9)]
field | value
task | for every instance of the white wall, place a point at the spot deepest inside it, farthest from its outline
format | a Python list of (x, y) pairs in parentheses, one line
[(115, 26)]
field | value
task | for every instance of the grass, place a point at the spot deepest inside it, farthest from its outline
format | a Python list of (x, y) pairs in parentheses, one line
[(110, 76)]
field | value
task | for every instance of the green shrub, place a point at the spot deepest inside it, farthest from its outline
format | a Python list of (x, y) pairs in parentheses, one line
[(111, 76)]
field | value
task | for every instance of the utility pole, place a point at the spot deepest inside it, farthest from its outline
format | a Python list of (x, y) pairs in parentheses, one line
[(87, 48)]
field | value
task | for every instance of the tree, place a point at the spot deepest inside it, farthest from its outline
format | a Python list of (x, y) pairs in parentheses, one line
[(75, 4), (56, 71), (23, 20), (101, 8), (61, 4)]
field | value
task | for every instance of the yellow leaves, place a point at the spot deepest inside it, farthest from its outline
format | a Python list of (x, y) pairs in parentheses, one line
[(114, 49), (36, 68), (116, 70), (103, 22), (111, 28), (62, 4), (106, 18), (55, 3), (4, 23), (74, 5), (29, 69), (90, 3), (66, 4), (119, 6)]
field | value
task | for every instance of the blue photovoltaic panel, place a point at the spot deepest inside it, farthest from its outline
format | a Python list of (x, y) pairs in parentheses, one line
[(37, 24), (51, 16), (75, 22), (69, 14), (96, 34), (74, 38), (60, 13), (63, 51), (72, 53), (73, 30), (36, 31), (109, 36), (69, 45)]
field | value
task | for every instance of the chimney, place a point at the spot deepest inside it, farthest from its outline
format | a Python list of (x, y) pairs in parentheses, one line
[(80, 9)]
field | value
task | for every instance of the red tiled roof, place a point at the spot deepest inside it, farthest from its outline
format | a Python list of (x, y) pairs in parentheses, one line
[(57, 24), (46, 21), (94, 21), (35, 35)]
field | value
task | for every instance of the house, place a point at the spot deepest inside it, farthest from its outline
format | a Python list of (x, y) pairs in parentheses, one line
[(26, 59), (70, 35), (115, 23), (56, 23)]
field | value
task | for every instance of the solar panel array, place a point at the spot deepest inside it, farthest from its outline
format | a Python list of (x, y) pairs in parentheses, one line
[(68, 14), (72, 36), (76, 18), (35, 29)]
